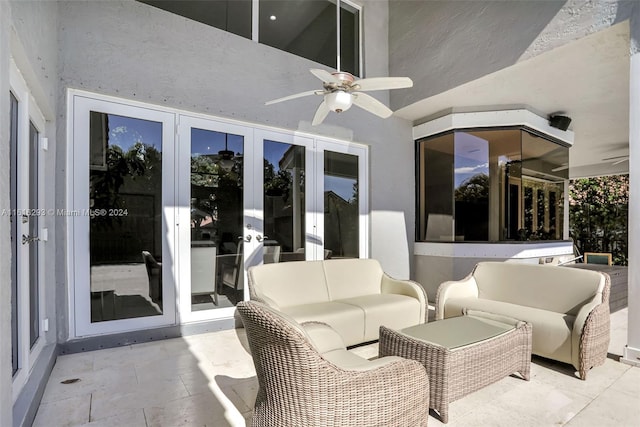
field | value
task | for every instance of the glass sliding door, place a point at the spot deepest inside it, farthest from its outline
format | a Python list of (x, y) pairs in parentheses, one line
[(214, 200), (123, 196)]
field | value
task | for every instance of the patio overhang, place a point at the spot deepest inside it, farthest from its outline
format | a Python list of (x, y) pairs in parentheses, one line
[(587, 80)]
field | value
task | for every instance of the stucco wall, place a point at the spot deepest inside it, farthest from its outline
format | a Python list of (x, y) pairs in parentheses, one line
[(443, 44), (6, 398), (135, 51)]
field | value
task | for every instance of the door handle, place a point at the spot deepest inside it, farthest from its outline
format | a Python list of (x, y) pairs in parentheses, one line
[(259, 238), (29, 239), (246, 239)]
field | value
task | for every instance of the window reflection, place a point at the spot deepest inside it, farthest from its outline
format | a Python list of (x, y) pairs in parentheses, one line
[(284, 202), (125, 200), (341, 195), (216, 219), (490, 185)]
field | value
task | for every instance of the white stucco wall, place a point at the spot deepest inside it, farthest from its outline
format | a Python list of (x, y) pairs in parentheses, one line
[(135, 51), (6, 398), (443, 44)]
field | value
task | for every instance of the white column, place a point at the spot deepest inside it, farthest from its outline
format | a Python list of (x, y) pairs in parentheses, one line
[(565, 215), (632, 350)]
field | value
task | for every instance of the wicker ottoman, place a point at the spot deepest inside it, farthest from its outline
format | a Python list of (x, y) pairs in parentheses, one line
[(462, 354)]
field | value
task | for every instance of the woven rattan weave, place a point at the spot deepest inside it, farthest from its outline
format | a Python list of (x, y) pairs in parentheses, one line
[(299, 388), (454, 373)]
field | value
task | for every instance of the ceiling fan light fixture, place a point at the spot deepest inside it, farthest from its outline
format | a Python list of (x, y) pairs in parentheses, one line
[(339, 101)]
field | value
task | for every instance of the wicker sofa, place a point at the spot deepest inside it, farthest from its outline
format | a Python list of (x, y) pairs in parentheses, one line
[(568, 308), (307, 378), (354, 296)]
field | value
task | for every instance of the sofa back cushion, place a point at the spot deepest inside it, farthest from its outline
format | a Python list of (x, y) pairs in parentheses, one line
[(348, 278), (289, 283), (558, 289)]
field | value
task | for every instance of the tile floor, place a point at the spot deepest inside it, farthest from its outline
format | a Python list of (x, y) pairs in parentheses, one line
[(209, 380)]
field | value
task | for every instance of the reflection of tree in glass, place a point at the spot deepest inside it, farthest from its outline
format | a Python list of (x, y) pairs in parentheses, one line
[(140, 168), (473, 189), (276, 183), (204, 171)]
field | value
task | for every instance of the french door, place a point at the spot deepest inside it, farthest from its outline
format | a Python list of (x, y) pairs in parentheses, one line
[(169, 211), (28, 229), (123, 216)]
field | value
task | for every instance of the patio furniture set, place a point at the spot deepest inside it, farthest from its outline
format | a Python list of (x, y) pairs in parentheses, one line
[(303, 315)]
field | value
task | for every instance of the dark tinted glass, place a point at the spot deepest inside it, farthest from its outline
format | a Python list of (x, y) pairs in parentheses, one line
[(233, 16), (307, 28)]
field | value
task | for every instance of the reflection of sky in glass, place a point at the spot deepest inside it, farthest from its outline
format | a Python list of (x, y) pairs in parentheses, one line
[(274, 152), (205, 142), (343, 187), (471, 157), (126, 131)]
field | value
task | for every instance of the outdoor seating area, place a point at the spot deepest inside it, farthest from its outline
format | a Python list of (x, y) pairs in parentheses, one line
[(209, 379)]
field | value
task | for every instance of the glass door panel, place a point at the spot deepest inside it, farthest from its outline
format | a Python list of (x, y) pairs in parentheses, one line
[(32, 238), (217, 206), (284, 202), (344, 221), (341, 215), (125, 232)]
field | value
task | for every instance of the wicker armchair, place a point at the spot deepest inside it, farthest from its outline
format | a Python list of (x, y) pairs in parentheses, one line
[(308, 379)]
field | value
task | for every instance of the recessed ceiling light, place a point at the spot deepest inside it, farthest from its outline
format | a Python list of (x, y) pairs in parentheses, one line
[(273, 17)]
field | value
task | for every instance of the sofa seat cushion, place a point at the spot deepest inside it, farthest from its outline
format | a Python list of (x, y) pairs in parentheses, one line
[(346, 319), (551, 331), (391, 310)]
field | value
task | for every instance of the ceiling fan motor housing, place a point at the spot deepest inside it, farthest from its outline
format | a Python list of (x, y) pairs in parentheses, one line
[(339, 101)]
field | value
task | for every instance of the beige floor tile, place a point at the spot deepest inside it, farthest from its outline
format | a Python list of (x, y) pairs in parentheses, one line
[(200, 410), (133, 418), (612, 408), (72, 364), (106, 403), (64, 413), (629, 383), (563, 377), (490, 415), (107, 380)]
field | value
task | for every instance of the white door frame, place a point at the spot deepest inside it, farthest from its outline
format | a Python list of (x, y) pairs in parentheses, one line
[(183, 172), (78, 135), (28, 113)]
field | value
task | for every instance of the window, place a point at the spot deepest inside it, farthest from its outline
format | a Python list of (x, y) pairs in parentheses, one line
[(490, 185), (306, 28), (233, 16)]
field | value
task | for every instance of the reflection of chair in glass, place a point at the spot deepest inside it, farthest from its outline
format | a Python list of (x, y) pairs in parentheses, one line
[(603, 258), (154, 273), (271, 254), (231, 268)]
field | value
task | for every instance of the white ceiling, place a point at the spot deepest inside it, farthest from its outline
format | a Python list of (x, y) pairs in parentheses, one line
[(587, 80)]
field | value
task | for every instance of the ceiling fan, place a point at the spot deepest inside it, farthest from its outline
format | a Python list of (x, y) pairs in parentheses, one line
[(340, 89)]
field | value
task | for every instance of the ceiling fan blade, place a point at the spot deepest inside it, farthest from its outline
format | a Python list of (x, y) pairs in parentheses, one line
[(383, 83), (321, 113), (325, 76), (617, 162), (297, 95), (372, 105)]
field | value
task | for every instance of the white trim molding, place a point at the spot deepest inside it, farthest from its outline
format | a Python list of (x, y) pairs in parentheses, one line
[(485, 119)]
